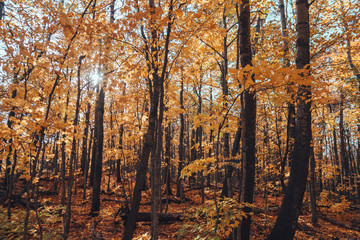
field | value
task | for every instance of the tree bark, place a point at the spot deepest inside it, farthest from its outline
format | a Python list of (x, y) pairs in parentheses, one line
[(167, 159), (143, 164), (85, 139), (98, 145), (2, 10), (249, 118), (118, 161), (73, 154), (155, 80), (286, 222), (181, 142), (290, 133), (312, 187), (63, 160), (227, 185), (343, 153)]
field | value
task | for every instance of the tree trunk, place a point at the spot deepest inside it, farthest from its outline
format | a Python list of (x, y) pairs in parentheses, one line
[(98, 145), (167, 159), (336, 153), (143, 164), (63, 160), (156, 169), (85, 139), (290, 133), (286, 223), (156, 82), (181, 142), (312, 187), (2, 10), (249, 117), (87, 162), (73, 154), (118, 161), (227, 185), (93, 157), (343, 154)]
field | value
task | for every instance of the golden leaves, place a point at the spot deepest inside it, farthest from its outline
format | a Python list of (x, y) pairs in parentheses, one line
[(199, 165)]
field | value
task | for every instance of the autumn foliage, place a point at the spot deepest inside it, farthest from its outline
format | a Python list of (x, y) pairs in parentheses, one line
[(104, 104)]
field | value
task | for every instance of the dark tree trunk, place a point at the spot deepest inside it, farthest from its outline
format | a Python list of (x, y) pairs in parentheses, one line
[(143, 164), (343, 153), (85, 139), (312, 187), (167, 159), (356, 73), (156, 84), (156, 169), (148, 142), (290, 135), (181, 142), (118, 161), (98, 145), (227, 185), (93, 158), (199, 154), (249, 117), (73, 153), (63, 160), (192, 155), (286, 223), (7, 161), (111, 163), (87, 162), (38, 139), (336, 152), (2, 10)]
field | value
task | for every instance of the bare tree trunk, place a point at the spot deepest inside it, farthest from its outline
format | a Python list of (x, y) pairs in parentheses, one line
[(156, 169), (98, 145), (336, 153), (312, 187), (199, 154), (73, 153), (93, 157), (167, 159), (156, 84), (286, 223), (63, 160), (2, 10), (143, 164), (249, 120), (118, 161), (343, 154), (181, 142), (290, 133), (227, 184), (87, 162), (85, 139)]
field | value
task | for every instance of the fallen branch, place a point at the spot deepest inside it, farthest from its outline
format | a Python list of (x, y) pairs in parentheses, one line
[(163, 217), (171, 200)]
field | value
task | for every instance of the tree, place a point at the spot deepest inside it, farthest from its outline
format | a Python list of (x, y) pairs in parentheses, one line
[(2, 10), (156, 77), (286, 222), (249, 116), (99, 132)]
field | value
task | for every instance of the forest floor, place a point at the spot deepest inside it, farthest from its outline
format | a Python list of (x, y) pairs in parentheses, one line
[(109, 226)]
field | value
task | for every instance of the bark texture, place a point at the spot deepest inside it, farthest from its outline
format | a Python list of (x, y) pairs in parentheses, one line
[(249, 117), (286, 223)]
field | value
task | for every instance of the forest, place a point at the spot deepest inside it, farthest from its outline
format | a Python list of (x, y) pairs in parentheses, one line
[(180, 119)]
